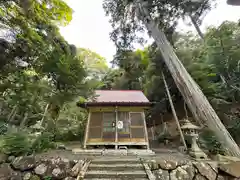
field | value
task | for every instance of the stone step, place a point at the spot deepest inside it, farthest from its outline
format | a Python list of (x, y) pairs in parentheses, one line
[(114, 178), (116, 174), (116, 161), (115, 167)]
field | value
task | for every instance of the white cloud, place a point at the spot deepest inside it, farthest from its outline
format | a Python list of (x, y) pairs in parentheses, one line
[(90, 28)]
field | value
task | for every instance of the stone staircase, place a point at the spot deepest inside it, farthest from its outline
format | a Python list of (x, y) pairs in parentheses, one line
[(112, 168)]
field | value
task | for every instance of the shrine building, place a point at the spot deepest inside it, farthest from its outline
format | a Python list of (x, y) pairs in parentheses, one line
[(116, 119)]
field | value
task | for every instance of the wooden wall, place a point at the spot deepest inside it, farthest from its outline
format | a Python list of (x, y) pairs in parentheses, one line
[(102, 126)]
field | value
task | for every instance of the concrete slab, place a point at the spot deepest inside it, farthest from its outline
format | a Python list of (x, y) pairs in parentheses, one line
[(109, 160), (116, 174), (113, 152), (114, 179), (115, 167)]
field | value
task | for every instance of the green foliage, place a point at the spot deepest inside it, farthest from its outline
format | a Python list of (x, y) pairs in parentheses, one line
[(213, 64), (22, 143), (234, 127), (126, 27), (208, 141), (3, 128), (43, 76), (43, 142), (35, 177), (163, 137), (95, 64), (47, 177), (16, 143)]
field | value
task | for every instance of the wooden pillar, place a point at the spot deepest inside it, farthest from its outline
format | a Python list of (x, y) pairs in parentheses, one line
[(145, 129), (87, 130), (153, 136), (116, 130)]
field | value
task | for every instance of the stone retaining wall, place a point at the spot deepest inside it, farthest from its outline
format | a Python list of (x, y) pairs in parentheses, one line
[(31, 168), (193, 170)]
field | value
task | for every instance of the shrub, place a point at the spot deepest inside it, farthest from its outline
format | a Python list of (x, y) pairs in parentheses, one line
[(43, 142), (208, 141), (234, 129), (3, 128), (16, 143), (71, 134), (163, 137)]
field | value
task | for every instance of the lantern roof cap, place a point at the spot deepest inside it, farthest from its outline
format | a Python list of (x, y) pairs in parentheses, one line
[(188, 125), (37, 126)]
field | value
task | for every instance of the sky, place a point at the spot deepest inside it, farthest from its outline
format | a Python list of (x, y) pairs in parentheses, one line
[(90, 28)]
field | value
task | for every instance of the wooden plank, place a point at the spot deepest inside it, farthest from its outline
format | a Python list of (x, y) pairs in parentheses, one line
[(83, 170), (108, 130), (86, 131), (93, 140), (145, 128), (148, 171), (174, 112), (95, 132), (124, 140), (137, 126), (138, 140), (100, 140), (116, 129), (152, 132), (139, 143), (96, 119)]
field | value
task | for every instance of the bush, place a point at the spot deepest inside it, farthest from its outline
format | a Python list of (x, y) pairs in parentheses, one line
[(234, 129), (43, 142), (3, 128), (71, 134), (208, 141), (16, 143), (163, 137)]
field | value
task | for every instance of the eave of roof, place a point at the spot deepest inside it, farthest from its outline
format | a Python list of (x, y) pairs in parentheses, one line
[(96, 104)]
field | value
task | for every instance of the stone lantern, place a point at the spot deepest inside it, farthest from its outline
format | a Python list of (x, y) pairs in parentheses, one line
[(191, 133), (37, 128)]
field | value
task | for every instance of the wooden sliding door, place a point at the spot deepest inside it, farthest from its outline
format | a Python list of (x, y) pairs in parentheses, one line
[(124, 133), (95, 127), (108, 126), (137, 127)]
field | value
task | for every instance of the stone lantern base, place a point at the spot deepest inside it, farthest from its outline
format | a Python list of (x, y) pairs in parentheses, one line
[(197, 153)]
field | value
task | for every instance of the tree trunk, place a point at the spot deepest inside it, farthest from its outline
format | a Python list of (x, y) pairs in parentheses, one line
[(174, 112), (196, 27), (44, 114), (12, 114), (191, 92), (22, 124)]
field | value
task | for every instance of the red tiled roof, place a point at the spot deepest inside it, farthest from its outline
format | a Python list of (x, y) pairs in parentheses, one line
[(120, 96)]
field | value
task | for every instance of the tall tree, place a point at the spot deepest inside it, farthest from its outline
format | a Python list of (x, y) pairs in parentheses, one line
[(191, 92), (32, 43)]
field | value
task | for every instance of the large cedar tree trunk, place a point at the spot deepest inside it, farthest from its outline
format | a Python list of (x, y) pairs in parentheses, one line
[(191, 92)]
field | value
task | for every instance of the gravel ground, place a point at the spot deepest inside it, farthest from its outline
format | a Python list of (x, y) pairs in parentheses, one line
[(63, 154), (160, 154)]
